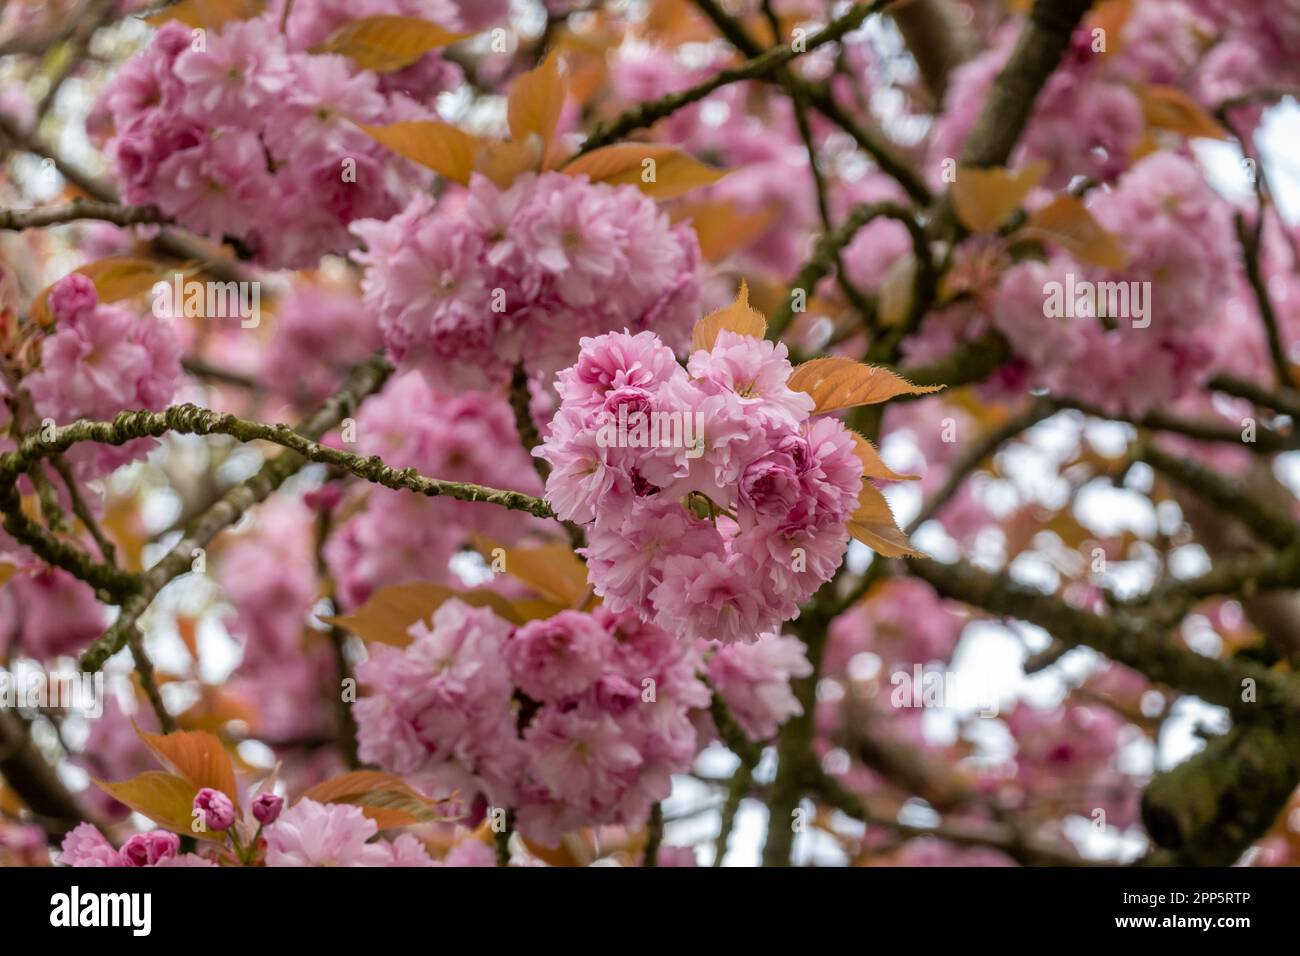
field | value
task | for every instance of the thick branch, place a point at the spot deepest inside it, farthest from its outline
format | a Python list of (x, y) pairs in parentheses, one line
[(1010, 103), (1020, 847), (26, 771), (1284, 400), (1228, 495), (1210, 808), (1125, 638), (1266, 442), (80, 209)]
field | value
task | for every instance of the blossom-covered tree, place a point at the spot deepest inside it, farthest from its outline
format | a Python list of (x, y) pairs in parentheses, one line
[(462, 433)]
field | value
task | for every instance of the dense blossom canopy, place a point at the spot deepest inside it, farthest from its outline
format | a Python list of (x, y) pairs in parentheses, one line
[(473, 433)]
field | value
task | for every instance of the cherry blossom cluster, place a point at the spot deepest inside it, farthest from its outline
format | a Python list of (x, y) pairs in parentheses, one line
[(86, 846), (238, 136), (1088, 120), (100, 360), (584, 724), (334, 834), (1258, 48), (490, 277), (307, 834), (726, 509), (1182, 261)]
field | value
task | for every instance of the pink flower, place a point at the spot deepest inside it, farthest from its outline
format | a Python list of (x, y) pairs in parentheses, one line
[(582, 471), (625, 559), (324, 834), (754, 681), (101, 359), (239, 74), (607, 723), (184, 860), (266, 808), (709, 598), (150, 849), (755, 371), (442, 702), (86, 846), (217, 186), (215, 808), (720, 529), (770, 486), (319, 335), (580, 756), (470, 853), (244, 137), (269, 575), (558, 657), (499, 277), (73, 299), (614, 361), (408, 851)]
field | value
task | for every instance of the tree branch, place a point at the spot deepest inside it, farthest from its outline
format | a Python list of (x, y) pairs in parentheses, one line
[(364, 380), (42, 216), (759, 67), (1126, 638), (870, 143)]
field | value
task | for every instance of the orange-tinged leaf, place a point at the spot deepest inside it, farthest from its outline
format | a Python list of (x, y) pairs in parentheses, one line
[(873, 466), (739, 317), (1111, 16), (659, 171), (1167, 107), (873, 524), (10, 803), (537, 609), (836, 383), (383, 797), (551, 570), (208, 14), (721, 228), (673, 22), (164, 798), (442, 147), (115, 278), (1067, 222), (198, 757), (387, 616), (984, 198), (388, 43), (504, 161), (534, 103)]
